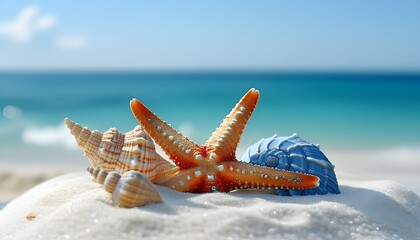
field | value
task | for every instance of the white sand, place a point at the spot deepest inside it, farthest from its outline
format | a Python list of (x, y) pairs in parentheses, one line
[(73, 207)]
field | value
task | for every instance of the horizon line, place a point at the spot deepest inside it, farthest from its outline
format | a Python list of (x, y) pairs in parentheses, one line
[(207, 71)]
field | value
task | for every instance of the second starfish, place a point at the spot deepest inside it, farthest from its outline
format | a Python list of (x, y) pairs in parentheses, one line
[(213, 166)]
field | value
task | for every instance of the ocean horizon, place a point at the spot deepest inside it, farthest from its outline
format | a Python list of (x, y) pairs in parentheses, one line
[(368, 124)]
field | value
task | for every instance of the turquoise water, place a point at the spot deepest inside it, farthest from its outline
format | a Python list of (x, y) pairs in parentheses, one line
[(340, 111)]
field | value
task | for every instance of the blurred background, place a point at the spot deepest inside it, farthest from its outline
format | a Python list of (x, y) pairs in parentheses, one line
[(345, 75)]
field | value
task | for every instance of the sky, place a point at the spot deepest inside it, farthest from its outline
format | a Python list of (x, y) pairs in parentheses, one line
[(360, 35)]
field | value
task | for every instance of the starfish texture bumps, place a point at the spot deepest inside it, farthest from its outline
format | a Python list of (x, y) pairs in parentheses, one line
[(213, 166)]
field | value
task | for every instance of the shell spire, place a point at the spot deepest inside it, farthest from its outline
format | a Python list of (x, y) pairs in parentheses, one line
[(121, 152)]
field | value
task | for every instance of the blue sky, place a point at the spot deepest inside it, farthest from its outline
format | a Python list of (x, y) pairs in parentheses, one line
[(361, 35)]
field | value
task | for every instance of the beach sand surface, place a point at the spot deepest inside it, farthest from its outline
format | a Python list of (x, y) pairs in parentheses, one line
[(71, 206)]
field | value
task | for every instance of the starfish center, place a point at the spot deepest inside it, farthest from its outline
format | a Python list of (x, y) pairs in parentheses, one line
[(213, 166)]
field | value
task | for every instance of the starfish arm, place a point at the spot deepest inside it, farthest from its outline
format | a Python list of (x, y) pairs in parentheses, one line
[(174, 144), (243, 175), (189, 180), (225, 139)]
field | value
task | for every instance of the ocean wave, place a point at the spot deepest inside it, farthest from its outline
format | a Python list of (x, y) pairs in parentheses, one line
[(59, 136), (396, 160), (405, 155), (54, 136)]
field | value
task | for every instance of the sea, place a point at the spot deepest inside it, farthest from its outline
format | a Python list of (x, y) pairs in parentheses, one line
[(368, 124)]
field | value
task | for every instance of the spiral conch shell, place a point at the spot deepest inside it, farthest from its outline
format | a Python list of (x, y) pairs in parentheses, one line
[(129, 190), (125, 163), (292, 153), (121, 152)]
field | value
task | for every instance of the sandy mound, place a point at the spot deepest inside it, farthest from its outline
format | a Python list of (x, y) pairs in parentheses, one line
[(73, 207)]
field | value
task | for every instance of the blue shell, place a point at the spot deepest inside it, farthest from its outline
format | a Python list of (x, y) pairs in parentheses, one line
[(294, 154)]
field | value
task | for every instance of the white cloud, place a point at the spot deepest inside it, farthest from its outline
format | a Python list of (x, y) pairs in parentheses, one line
[(70, 42), (26, 25)]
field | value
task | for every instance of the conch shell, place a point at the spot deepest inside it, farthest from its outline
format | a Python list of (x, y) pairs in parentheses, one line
[(132, 189), (121, 152), (292, 153)]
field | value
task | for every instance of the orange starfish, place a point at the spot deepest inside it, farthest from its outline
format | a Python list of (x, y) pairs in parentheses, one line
[(213, 166)]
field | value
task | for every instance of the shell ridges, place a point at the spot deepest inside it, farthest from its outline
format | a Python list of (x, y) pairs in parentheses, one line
[(292, 153), (121, 152), (132, 189)]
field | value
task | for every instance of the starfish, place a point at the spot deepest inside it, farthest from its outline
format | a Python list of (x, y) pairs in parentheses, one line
[(213, 166)]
